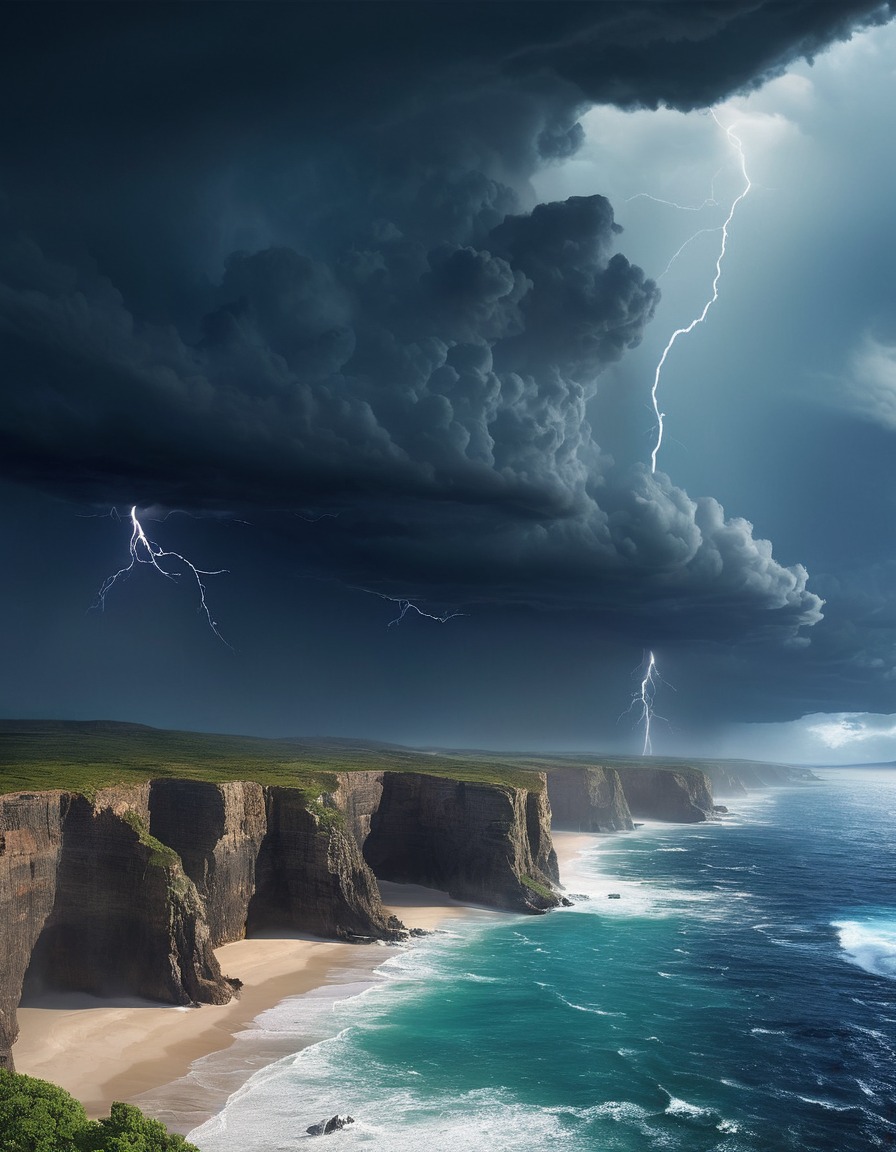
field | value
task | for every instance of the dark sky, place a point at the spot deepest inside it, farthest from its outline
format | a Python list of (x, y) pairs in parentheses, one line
[(338, 295)]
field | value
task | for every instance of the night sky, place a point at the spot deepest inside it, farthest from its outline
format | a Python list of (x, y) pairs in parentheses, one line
[(362, 302)]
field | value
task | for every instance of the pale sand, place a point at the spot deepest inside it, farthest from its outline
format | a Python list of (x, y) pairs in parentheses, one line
[(102, 1050)]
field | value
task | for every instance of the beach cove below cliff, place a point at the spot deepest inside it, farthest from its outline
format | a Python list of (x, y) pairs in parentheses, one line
[(136, 1050)]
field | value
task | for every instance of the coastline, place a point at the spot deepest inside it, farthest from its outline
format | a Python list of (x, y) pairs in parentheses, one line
[(103, 1050)]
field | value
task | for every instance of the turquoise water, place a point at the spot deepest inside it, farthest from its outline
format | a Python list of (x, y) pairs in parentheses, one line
[(739, 996)]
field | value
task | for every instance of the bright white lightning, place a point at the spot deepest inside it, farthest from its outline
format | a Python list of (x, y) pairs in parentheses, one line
[(146, 551), (646, 696), (736, 143), (405, 606)]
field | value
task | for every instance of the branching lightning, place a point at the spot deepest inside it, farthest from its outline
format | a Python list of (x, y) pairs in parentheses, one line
[(644, 696), (405, 606), (146, 551), (735, 141)]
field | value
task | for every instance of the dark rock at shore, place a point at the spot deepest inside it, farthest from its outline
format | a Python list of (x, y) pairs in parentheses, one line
[(325, 1127)]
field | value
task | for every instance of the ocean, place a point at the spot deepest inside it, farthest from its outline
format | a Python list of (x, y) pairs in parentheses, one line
[(739, 996)]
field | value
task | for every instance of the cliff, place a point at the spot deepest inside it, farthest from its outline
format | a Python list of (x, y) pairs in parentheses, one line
[(310, 874), (738, 777), (489, 844), (217, 830), (681, 795), (130, 891), (588, 800), (125, 917), (30, 843)]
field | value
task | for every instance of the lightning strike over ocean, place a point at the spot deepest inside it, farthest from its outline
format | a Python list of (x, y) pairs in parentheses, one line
[(146, 551), (736, 143)]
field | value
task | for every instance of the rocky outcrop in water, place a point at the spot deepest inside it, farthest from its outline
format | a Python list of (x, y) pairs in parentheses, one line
[(588, 799), (328, 1127), (488, 844)]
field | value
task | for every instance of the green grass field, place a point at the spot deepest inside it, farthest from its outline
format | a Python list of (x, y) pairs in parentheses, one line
[(85, 756)]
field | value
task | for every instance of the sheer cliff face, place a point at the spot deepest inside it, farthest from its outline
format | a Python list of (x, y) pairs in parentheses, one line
[(125, 917), (30, 844), (310, 874), (588, 800), (131, 891), (217, 830), (488, 844), (681, 796)]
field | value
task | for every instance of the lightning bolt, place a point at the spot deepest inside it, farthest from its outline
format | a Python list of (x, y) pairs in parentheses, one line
[(644, 695), (736, 143), (405, 606), (146, 551)]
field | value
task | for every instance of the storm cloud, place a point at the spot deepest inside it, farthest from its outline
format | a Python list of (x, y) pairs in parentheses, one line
[(297, 264)]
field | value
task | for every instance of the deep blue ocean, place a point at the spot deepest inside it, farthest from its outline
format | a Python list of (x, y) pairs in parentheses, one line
[(739, 996)]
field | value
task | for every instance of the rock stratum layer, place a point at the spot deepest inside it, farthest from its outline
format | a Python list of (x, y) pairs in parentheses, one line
[(130, 891)]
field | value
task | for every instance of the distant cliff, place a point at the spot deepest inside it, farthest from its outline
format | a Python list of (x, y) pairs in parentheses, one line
[(738, 777), (588, 799), (681, 795), (128, 892)]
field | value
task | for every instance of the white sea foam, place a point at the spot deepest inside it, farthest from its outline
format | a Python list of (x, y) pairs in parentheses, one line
[(677, 1107), (870, 943)]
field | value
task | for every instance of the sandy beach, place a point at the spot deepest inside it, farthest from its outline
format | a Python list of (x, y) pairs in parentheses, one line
[(102, 1050)]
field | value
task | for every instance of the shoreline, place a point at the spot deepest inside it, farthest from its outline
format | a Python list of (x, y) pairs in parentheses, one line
[(103, 1050)]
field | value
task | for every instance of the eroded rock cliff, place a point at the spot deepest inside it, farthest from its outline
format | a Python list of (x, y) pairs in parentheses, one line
[(30, 843), (130, 891), (125, 916), (310, 874), (489, 844), (217, 830), (680, 795), (588, 800)]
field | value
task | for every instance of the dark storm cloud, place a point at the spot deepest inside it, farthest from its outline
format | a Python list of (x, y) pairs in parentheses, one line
[(267, 257)]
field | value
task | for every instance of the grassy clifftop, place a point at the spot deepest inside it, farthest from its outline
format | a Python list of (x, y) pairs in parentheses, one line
[(83, 756)]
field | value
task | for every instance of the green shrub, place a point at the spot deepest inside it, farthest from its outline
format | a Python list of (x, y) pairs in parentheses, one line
[(126, 1129), (36, 1116)]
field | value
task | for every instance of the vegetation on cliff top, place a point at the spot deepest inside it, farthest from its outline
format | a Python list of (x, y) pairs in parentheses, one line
[(85, 756), (36, 1116)]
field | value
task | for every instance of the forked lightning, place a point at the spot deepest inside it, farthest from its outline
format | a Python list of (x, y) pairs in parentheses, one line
[(146, 551)]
